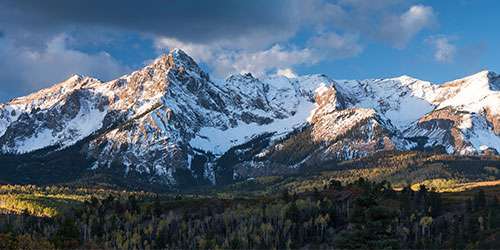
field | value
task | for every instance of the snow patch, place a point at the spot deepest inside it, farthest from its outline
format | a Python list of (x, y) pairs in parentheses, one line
[(219, 141)]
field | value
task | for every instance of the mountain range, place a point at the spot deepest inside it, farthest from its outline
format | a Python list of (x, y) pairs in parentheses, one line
[(170, 123)]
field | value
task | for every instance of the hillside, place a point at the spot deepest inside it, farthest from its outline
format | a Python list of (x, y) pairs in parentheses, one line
[(362, 214)]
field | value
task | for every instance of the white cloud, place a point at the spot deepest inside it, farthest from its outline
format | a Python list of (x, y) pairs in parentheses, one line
[(224, 61), (288, 72), (417, 18), (27, 68), (401, 29), (200, 52), (444, 50), (262, 62), (393, 21)]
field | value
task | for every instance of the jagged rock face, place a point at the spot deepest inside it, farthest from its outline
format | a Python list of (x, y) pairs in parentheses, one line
[(189, 112), (352, 133), (346, 133), (170, 116), (442, 127), (494, 119), (461, 115), (55, 116), (465, 120)]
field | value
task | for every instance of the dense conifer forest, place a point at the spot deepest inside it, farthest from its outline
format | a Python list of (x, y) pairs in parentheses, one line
[(362, 214), (405, 200)]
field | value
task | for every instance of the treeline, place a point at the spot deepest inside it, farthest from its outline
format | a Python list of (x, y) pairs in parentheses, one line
[(363, 214)]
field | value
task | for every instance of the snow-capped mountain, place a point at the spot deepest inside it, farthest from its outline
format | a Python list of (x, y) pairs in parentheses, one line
[(170, 117), (461, 115)]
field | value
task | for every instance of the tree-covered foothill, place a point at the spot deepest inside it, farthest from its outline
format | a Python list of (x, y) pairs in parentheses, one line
[(361, 215)]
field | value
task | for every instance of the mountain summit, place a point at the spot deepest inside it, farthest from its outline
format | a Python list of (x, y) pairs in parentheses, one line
[(170, 123)]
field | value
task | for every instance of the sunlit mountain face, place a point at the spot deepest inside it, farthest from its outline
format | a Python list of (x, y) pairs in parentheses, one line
[(170, 117)]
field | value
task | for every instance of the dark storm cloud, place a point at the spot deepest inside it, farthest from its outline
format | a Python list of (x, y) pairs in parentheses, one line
[(43, 41), (39, 40), (187, 20)]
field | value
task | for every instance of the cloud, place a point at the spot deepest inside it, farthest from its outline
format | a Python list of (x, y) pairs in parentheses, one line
[(288, 72), (444, 50), (27, 69), (399, 30), (242, 24), (391, 21), (262, 62), (263, 21), (223, 60), (229, 36), (336, 46), (200, 52)]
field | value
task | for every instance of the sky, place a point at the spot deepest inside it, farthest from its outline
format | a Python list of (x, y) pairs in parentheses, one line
[(45, 42)]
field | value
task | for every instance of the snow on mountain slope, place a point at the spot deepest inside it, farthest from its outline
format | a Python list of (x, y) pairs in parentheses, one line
[(352, 132), (405, 99), (410, 105), (471, 107), (60, 115), (481, 137), (398, 99), (158, 119), (290, 101), (189, 112), (472, 94)]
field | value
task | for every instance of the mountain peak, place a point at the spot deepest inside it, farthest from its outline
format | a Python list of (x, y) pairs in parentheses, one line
[(176, 52), (483, 74), (493, 79), (406, 79), (74, 77), (180, 60), (180, 57), (485, 79), (241, 77)]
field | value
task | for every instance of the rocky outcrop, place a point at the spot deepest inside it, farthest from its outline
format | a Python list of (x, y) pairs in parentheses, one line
[(169, 119)]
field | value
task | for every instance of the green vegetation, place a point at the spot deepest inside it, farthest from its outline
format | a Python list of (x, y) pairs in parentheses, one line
[(442, 173), (434, 201), (362, 214), (295, 148), (51, 200)]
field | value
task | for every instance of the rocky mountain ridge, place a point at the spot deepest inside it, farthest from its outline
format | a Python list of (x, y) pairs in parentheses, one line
[(170, 118)]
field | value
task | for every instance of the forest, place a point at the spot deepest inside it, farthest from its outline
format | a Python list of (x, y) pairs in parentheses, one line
[(362, 214)]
